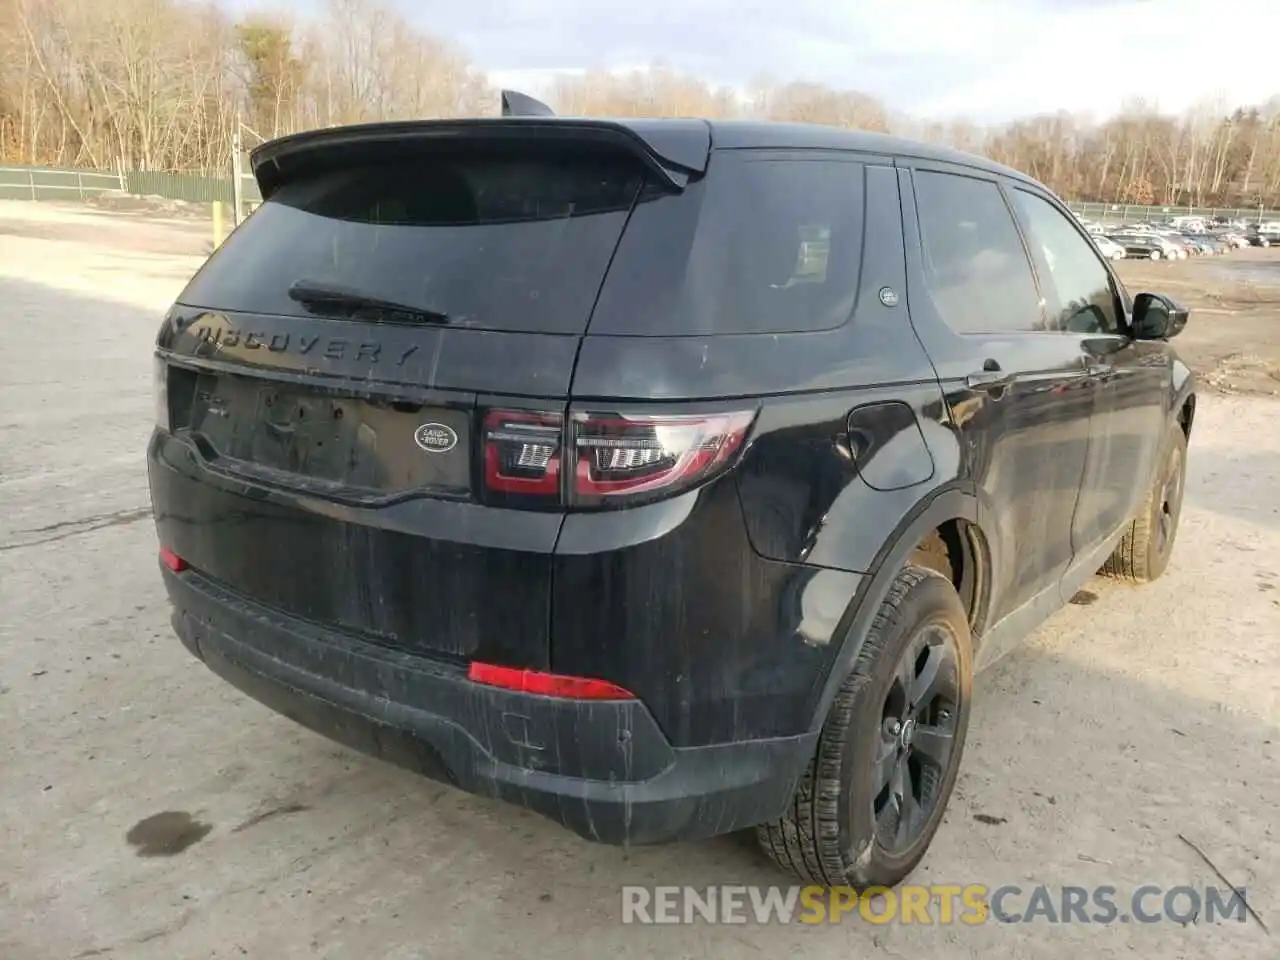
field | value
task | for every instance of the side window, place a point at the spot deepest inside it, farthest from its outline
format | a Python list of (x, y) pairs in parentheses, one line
[(975, 265), (1080, 285), (762, 244)]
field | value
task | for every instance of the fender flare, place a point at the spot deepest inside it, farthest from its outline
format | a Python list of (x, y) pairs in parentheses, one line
[(956, 501), (1184, 391)]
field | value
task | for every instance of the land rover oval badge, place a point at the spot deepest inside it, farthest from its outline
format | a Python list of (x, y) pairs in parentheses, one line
[(435, 438)]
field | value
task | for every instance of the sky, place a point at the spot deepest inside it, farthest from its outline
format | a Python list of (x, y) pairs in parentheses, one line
[(984, 60)]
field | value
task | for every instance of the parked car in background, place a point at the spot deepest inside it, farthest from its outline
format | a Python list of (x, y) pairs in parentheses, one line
[(1201, 245), (1108, 247), (490, 471), (1148, 246), (1234, 240), (1184, 247), (1175, 246), (1259, 237)]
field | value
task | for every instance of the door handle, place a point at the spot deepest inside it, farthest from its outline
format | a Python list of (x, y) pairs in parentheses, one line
[(986, 379), (990, 377), (1094, 368)]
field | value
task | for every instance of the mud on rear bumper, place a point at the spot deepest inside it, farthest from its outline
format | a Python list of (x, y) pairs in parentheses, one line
[(603, 769)]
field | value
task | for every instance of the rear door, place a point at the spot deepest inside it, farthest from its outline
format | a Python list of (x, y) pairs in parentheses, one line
[(366, 386), (1016, 387)]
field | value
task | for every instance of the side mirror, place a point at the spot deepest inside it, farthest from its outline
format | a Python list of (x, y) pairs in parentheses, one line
[(1157, 317)]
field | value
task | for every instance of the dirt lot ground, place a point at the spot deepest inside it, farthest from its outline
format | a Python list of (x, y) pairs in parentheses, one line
[(1132, 717), (1233, 341)]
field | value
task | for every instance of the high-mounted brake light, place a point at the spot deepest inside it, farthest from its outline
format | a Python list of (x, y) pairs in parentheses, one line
[(619, 457), (546, 684)]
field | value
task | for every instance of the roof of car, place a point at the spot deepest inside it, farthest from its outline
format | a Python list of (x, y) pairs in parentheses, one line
[(731, 134), (684, 141)]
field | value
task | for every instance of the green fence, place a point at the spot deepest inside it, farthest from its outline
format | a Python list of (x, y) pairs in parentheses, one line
[(44, 183), (1122, 212), (47, 183), (179, 186)]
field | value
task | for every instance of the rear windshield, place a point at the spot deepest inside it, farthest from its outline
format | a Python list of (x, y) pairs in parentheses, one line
[(765, 243), (501, 242)]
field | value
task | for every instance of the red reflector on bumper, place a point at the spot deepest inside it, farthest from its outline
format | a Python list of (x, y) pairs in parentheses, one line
[(546, 684), (172, 560)]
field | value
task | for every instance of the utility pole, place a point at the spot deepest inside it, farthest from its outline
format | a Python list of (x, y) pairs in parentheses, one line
[(237, 185)]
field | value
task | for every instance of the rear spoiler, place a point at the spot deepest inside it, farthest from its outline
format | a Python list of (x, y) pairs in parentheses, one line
[(673, 150)]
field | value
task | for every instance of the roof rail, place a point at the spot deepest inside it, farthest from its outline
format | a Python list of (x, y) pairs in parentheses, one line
[(517, 104)]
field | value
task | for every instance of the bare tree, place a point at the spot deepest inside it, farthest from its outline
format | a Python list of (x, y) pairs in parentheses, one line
[(159, 84)]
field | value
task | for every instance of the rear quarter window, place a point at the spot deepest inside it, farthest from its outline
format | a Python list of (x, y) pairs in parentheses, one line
[(762, 244)]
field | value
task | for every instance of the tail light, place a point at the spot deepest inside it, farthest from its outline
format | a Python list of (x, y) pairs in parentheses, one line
[(522, 453), (623, 458), (160, 391), (606, 459)]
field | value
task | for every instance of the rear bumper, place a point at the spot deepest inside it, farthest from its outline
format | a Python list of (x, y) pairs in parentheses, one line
[(603, 769)]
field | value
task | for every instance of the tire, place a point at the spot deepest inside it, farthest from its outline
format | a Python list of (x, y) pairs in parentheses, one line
[(1154, 254), (830, 835), (1143, 552)]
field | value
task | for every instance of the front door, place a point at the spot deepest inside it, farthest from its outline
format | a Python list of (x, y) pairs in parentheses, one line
[(1130, 377), (1018, 388)]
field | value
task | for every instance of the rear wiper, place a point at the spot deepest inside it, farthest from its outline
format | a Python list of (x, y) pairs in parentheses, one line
[(316, 293)]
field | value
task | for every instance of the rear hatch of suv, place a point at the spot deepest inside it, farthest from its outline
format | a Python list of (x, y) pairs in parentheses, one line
[(361, 393)]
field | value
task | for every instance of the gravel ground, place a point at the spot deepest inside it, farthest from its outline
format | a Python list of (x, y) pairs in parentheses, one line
[(1132, 717)]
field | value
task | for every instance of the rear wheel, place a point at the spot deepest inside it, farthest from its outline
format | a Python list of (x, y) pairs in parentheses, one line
[(1143, 553), (1155, 254), (875, 792)]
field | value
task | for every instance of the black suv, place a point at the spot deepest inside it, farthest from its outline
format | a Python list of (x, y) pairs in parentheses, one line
[(664, 477), (1258, 237)]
